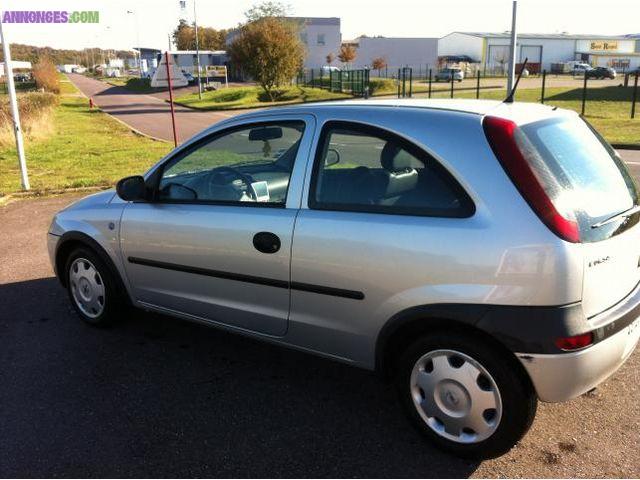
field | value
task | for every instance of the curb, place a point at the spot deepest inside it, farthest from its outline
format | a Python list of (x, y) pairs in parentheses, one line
[(10, 197)]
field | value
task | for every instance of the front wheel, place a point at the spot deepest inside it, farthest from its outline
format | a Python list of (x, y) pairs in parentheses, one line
[(92, 288), (465, 396)]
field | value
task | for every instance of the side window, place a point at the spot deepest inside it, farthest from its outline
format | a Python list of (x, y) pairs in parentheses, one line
[(366, 169), (248, 164)]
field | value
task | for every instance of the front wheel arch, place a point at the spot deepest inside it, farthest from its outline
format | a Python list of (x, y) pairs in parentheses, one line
[(72, 240)]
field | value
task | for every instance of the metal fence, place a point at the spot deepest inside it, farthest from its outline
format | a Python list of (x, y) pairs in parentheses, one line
[(626, 89), (354, 82)]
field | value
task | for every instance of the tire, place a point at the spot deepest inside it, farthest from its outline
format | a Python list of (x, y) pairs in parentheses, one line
[(93, 289), (427, 381)]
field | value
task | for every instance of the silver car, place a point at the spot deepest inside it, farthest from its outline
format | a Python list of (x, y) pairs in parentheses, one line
[(481, 255), (449, 74)]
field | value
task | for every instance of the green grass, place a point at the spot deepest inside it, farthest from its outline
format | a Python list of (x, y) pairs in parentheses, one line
[(254, 97), (86, 148), (608, 109)]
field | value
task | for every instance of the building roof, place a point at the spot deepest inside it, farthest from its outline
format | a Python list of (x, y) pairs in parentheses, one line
[(400, 39), (317, 20), (553, 36), (194, 52)]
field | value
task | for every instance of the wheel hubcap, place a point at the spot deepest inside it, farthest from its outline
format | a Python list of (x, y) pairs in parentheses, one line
[(456, 396), (87, 287)]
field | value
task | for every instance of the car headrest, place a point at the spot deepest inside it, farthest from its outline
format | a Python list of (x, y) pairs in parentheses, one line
[(391, 161)]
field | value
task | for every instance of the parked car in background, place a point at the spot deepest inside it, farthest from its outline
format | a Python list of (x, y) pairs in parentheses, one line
[(22, 77), (482, 255), (581, 68), (446, 74), (601, 73), (190, 78), (327, 69)]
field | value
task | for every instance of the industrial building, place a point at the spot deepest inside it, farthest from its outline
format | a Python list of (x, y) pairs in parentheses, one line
[(396, 51), (491, 50)]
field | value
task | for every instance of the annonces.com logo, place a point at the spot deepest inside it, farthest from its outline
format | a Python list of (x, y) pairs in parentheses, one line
[(50, 16)]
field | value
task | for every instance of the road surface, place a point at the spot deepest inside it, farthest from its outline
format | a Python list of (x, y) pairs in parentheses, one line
[(148, 114), (159, 397)]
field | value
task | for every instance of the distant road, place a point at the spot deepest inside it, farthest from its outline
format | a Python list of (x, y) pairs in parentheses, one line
[(146, 113)]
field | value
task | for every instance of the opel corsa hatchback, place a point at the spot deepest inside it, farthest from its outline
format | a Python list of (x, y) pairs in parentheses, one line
[(482, 255)]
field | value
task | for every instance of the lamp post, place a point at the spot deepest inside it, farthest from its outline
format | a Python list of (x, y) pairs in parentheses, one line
[(135, 15), (513, 51), (195, 23), (24, 177)]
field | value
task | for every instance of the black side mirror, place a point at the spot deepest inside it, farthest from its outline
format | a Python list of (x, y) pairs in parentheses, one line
[(132, 189)]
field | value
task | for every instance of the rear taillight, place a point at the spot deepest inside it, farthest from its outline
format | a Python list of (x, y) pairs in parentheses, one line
[(501, 134), (574, 343)]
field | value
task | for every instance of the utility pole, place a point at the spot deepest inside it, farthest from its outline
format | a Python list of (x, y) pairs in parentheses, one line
[(169, 38), (8, 71), (512, 53), (195, 22)]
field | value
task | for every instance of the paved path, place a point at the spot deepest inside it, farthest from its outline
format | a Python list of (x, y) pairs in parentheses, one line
[(146, 113)]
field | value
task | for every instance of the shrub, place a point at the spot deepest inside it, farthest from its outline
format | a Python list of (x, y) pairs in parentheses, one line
[(35, 117), (381, 85), (46, 76)]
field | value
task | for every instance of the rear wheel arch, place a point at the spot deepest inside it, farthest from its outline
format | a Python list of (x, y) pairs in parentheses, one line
[(404, 328)]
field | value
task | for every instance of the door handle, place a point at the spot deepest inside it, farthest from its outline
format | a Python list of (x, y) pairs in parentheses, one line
[(266, 242)]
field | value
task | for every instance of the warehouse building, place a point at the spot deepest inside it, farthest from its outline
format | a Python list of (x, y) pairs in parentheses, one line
[(491, 50), (396, 51)]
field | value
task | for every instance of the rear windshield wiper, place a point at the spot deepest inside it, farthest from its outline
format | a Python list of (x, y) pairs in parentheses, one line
[(626, 213)]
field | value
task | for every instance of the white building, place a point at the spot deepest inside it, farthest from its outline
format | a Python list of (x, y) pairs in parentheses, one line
[(67, 67), (491, 50), (15, 65), (320, 35), (421, 53), (186, 59)]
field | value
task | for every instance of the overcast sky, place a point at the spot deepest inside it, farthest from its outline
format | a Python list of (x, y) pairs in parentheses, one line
[(400, 18)]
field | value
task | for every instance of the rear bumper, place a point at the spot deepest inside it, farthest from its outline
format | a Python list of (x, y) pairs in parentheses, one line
[(561, 376)]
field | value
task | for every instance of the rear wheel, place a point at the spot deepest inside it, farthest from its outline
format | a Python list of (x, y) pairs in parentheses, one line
[(92, 288), (465, 396)]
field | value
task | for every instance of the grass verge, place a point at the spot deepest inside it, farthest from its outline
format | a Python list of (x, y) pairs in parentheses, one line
[(87, 148), (253, 97)]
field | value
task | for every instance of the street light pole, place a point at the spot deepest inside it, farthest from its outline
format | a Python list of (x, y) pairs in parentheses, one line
[(8, 71), (138, 47), (195, 22), (513, 51)]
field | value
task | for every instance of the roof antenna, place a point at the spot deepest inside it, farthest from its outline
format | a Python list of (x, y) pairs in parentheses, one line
[(509, 98)]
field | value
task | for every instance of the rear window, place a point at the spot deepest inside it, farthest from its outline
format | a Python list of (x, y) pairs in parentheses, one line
[(581, 173)]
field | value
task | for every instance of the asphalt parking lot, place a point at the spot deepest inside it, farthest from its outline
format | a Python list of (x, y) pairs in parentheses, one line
[(158, 397)]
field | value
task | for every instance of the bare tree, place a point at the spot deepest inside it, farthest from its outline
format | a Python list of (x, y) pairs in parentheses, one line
[(330, 58), (378, 64), (347, 53)]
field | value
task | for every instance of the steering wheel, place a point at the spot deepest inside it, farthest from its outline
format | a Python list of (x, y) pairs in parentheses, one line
[(246, 179)]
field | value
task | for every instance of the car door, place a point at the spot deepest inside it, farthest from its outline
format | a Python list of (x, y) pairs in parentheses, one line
[(378, 206), (214, 243)]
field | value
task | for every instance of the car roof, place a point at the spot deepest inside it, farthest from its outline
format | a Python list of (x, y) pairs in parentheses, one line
[(520, 112), (478, 107)]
